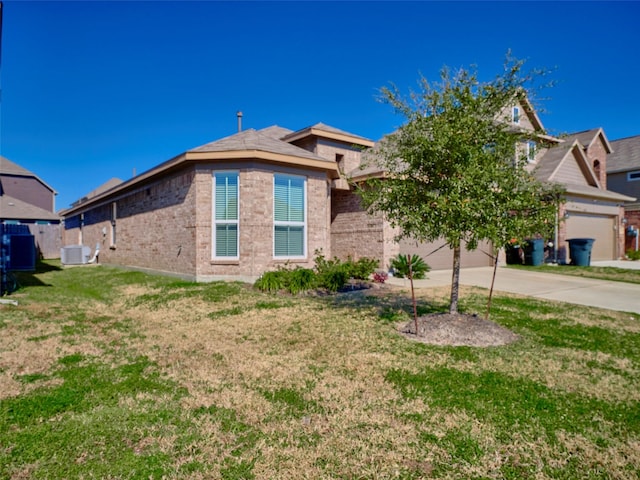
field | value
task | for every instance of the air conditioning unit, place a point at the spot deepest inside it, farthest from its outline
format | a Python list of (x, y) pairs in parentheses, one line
[(75, 255)]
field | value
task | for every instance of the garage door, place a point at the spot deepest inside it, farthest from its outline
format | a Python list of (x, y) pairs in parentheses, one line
[(599, 227), (443, 258)]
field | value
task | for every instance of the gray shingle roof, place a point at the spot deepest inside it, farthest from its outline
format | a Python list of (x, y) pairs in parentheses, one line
[(108, 185), (7, 167), (596, 192), (551, 160), (625, 156), (14, 209), (276, 131), (257, 140)]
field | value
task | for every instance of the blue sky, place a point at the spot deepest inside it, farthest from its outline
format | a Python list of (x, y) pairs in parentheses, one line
[(93, 90)]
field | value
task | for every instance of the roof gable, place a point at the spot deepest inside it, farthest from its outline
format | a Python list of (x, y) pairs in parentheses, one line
[(567, 164), (332, 133), (7, 167), (588, 137)]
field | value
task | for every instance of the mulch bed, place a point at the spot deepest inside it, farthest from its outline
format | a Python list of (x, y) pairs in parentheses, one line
[(458, 330)]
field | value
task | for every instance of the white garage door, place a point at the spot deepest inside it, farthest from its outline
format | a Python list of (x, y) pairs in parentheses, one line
[(443, 258), (599, 227)]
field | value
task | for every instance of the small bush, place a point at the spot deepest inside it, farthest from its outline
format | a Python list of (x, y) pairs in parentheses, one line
[(333, 280), (361, 269), (633, 254), (400, 265), (271, 281), (301, 280)]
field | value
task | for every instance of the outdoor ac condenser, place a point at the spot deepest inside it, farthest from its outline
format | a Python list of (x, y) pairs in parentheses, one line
[(75, 255)]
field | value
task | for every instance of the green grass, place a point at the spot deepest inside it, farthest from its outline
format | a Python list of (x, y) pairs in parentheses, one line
[(115, 374), (613, 274)]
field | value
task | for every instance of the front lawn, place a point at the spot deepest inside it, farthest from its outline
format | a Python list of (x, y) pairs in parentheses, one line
[(112, 374)]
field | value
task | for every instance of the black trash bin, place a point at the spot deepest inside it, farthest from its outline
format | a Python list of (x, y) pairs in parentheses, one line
[(580, 251), (534, 252)]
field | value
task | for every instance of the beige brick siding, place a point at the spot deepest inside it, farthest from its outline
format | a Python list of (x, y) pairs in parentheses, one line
[(597, 152), (155, 226), (356, 234), (167, 225)]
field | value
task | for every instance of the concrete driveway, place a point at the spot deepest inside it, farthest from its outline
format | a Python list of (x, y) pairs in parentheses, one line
[(582, 291)]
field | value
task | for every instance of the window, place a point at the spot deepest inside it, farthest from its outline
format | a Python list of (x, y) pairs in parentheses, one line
[(632, 176), (531, 151), (114, 213), (515, 115), (289, 219), (225, 231)]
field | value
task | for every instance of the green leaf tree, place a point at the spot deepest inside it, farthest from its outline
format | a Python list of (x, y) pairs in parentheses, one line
[(455, 169)]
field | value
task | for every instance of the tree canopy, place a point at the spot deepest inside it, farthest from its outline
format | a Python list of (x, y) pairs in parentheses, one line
[(456, 170)]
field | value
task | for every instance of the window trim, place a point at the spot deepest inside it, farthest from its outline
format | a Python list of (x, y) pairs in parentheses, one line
[(635, 178), (114, 216), (282, 223), (531, 152), (515, 115), (215, 222)]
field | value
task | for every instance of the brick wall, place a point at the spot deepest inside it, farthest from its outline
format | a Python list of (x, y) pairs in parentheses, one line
[(155, 226), (632, 214), (597, 152), (356, 234)]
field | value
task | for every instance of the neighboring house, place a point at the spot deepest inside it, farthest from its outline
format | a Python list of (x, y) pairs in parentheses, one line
[(27, 199), (232, 208), (579, 163), (623, 176)]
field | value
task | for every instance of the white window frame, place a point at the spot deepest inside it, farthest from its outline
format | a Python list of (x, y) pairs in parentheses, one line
[(215, 222), (633, 176), (114, 215), (278, 223), (515, 115), (531, 151)]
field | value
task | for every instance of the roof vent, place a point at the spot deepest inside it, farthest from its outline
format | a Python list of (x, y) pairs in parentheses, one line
[(239, 115)]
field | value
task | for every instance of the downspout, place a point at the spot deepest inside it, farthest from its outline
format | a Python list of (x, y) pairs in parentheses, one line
[(555, 234)]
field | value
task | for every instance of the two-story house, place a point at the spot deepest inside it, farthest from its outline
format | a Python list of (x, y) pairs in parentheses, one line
[(26, 199)]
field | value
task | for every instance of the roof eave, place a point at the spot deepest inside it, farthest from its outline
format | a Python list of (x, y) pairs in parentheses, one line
[(311, 131)]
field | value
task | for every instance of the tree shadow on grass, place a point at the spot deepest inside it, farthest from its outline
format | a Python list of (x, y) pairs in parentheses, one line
[(390, 304)]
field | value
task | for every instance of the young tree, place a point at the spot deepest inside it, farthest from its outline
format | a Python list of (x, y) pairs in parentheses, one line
[(453, 170)]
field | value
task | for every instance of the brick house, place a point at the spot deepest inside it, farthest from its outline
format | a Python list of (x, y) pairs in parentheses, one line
[(623, 176), (232, 208), (26, 199)]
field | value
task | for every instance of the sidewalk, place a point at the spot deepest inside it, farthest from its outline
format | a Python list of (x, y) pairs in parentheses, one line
[(582, 291)]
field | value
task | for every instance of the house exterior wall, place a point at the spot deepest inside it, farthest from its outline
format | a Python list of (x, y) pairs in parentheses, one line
[(155, 226), (579, 205), (356, 234), (618, 182), (597, 152), (166, 225), (29, 190), (256, 221), (570, 172), (632, 215)]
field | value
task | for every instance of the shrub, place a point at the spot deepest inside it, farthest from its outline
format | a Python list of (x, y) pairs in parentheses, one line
[(301, 280), (333, 280), (400, 265), (271, 281), (362, 268), (633, 254)]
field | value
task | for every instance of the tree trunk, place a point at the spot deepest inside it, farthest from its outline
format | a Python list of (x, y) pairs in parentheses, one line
[(496, 251), (455, 280)]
